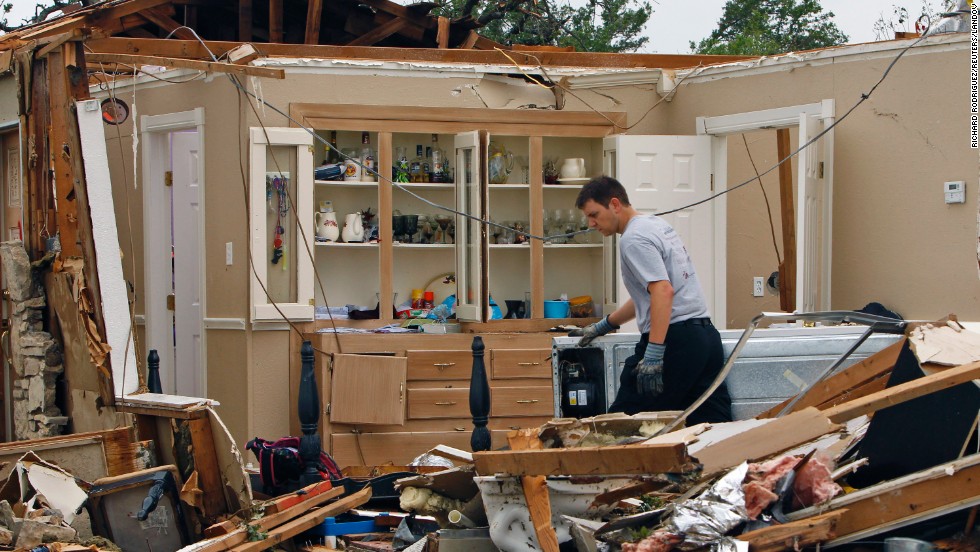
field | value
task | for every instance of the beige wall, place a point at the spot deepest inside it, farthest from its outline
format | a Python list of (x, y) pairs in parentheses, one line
[(895, 241)]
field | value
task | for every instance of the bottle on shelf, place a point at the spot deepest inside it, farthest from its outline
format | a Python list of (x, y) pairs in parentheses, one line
[(415, 169), (438, 161), (332, 155), (367, 159)]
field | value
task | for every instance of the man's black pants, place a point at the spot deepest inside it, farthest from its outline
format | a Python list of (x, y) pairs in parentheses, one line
[(692, 359)]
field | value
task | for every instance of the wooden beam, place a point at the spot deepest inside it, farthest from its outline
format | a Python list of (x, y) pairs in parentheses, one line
[(469, 41), (192, 49), (307, 521), (379, 33), (245, 20), (787, 272), (442, 36), (211, 66), (58, 141), (949, 377), (794, 535), (403, 12), (275, 21), (850, 378), (207, 468), (314, 10), (536, 491), (162, 20), (456, 115), (536, 182), (628, 459)]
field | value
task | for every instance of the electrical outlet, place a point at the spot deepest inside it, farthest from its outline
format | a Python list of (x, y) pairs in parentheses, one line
[(228, 254), (758, 286)]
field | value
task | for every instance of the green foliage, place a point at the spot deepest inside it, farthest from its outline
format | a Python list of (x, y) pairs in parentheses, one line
[(255, 533), (902, 20), (765, 27), (597, 26), (651, 502)]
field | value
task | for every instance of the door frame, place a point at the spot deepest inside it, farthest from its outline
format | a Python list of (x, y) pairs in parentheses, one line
[(155, 137), (771, 119)]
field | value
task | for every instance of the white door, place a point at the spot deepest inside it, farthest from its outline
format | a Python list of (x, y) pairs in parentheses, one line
[(663, 173), (812, 212), (471, 242), (187, 235)]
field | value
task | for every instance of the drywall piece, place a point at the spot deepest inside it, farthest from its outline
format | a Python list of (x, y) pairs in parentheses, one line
[(948, 345), (112, 284), (57, 486), (238, 487)]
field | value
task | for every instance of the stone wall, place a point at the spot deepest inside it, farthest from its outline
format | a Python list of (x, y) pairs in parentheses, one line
[(36, 356)]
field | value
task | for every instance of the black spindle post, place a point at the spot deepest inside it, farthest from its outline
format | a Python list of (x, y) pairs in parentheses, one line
[(153, 372), (309, 414), (479, 399)]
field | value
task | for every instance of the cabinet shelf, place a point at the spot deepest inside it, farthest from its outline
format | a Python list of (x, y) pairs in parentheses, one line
[(344, 244), (573, 246), (526, 246), (424, 185), (398, 245), (509, 186), (345, 184)]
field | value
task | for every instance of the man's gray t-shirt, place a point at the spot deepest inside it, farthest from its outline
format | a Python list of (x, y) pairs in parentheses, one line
[(650, 250)]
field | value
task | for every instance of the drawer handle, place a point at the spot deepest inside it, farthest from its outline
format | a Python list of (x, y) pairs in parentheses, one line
[(460, 428), (441, 365), (527, 401), (529, 364), (445, 403)]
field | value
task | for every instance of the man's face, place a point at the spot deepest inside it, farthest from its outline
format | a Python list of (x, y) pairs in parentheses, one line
[(603, 219)]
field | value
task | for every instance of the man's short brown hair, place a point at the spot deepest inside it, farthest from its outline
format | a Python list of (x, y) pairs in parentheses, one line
[(602, 189)]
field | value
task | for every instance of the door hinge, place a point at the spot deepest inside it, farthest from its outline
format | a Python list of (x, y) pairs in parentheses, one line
[(168, 178), (171, 301), (712, 182), (820, 170)]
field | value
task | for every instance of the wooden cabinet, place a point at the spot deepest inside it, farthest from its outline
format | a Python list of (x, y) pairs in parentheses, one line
[(390, 398), (485, 260)]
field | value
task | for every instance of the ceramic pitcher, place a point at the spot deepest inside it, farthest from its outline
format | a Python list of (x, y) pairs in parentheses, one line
[(353, 228), (326, 226)]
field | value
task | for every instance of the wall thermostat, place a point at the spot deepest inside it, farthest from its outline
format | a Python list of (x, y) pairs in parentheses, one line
[(955, 191)]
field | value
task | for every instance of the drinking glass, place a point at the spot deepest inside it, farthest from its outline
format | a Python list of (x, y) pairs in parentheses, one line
[(443, 221), (411, 227)]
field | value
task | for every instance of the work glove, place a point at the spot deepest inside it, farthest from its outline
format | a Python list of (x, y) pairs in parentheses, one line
[(650, 371), (592, 331)]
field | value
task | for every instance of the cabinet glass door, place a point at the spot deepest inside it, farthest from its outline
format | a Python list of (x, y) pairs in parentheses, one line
[(471, 251)]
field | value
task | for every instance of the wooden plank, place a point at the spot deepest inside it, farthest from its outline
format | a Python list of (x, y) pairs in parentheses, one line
[(159, 18), (850, 378), (379, 33), (285, 502), (275, 21), (794, 535), (536, 491), (192, 49), (898, 502), (206, 466), (536, 181), (385, 211), (454, 115), (157, 412), (442, 35), (469, 41), (104, 17), (307, 521), (898, 394), (265, 523), (552, 128), (64, 182), (212, 66), (863, 390), (787, 272), (629, 459), (245, 20), (762, 441), (314, 10)]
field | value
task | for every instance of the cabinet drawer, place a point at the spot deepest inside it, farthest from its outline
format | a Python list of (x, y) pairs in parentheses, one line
[(439, 365), (520, 363), (531, 400), (376, 449), (438, 403)]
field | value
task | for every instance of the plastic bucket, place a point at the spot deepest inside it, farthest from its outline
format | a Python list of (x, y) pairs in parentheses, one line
[(556, 309)]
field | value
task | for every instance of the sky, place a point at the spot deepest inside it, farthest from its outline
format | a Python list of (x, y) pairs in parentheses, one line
[(675, 23)]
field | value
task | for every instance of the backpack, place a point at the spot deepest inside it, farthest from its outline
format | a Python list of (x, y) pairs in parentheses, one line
[(280, 462)]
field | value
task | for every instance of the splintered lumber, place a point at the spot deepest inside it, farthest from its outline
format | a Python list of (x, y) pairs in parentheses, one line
[(899, 502), (612, 460), (240, 535), (307, 521), (212, 66), (284, 502), (763, 439), (949, 377), (536, 491), (845, 382), (795, 534)]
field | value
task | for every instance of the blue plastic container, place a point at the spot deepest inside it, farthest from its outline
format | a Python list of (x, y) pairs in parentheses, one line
[(346, 525), (556, 309)]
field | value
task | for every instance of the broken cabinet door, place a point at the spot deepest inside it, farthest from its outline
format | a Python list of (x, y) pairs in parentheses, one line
[(368, 389), (472, 301), (662, 173)]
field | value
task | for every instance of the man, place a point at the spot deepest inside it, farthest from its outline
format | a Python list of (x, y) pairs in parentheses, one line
[(679, 353)]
